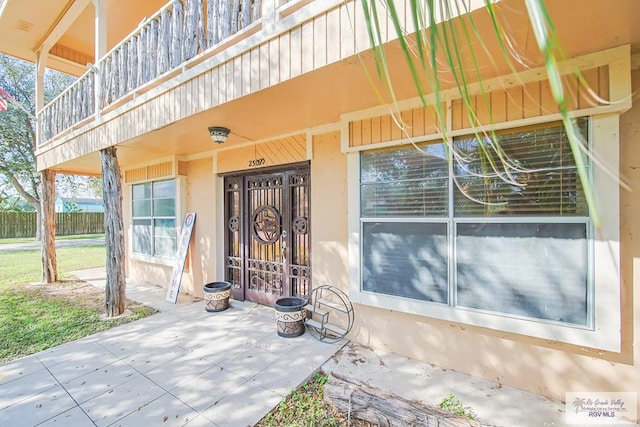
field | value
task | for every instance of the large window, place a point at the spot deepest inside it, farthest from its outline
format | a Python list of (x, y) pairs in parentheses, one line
[(497, 227), (154, 218)]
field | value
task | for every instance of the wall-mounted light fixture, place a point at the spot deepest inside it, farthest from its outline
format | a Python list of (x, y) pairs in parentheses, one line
[(218, 134)]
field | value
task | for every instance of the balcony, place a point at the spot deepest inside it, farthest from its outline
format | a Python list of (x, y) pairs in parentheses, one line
[(265, 68), (176, 36)]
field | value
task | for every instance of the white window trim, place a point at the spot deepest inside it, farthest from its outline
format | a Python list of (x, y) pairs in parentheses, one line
[(605, 335), (181, 210)]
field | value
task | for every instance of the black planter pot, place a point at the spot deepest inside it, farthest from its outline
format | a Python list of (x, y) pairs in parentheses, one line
[(290, 316), (216, 296)]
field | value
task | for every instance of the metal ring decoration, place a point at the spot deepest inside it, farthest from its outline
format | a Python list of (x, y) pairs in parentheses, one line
[(324, 302), (265, 225), (233, 262), (234, 224), (233, 184), (300, 225)]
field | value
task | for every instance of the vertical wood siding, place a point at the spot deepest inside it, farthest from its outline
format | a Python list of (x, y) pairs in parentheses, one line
[(327, 38), (534, 99), (165, 41), (154, 171), (407, 124), (516, 103)]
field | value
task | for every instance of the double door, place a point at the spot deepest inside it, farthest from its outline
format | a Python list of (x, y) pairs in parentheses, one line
[(267, 234)]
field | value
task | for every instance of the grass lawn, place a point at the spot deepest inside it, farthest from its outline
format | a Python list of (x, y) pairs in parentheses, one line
[(17, 268), (305, 407), (35, 317)]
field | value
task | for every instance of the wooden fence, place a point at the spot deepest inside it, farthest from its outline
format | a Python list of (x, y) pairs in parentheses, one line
[(23, 224)]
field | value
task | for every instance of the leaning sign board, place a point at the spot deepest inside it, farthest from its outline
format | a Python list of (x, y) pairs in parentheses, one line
[(181, 257)]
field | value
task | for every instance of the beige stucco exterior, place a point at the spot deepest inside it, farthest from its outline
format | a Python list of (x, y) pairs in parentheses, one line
[(198, 188), (541, 366), (295, 91)]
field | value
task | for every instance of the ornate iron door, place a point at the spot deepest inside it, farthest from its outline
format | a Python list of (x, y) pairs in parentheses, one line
[(267, 235)]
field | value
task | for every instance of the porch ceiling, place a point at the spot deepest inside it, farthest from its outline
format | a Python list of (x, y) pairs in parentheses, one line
[(22, 30), (311, 100)]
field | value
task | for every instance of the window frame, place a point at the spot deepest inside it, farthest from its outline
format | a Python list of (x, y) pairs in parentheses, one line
[(153, 257), (603, 329)]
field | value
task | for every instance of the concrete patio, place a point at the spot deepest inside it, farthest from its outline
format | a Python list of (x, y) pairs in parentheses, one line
[(185, 366), (182, 366)]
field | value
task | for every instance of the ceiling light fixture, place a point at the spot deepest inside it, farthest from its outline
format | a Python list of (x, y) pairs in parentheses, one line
[(218, 134)]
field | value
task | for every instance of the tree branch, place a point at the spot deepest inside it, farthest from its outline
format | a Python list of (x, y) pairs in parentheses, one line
[(19, 188)]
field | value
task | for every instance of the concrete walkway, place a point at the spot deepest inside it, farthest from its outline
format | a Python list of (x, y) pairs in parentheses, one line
[(184, 366), (31, 246)]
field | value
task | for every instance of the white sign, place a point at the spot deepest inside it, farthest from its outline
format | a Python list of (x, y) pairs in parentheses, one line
[(605, 407), (181, 257)]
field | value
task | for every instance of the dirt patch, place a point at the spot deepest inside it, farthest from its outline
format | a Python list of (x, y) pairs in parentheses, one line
[(82, 292)]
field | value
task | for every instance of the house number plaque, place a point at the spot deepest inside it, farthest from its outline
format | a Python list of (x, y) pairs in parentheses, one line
[(257, 162)]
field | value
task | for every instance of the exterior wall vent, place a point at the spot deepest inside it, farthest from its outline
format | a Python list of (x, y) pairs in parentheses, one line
[(24, 26)]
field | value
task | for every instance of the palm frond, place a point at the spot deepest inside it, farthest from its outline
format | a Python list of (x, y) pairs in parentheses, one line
[(445, 29)]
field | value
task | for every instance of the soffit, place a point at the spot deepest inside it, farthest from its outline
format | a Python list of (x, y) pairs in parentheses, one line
[(25, 23), (21, 29), (123, 16)]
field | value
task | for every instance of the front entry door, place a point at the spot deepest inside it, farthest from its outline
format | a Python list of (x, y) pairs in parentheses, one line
[(267, 234)]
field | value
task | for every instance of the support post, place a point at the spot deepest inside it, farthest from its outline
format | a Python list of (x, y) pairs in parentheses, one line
[(41, 64), (100, 49), (48, 226), (269, 14), (115, 289)]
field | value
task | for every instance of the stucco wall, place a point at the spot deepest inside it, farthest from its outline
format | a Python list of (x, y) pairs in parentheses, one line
[(329, 258), (197, 191), (202, 198), (533, 364)]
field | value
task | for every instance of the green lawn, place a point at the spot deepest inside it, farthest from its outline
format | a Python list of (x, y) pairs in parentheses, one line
[(37, 317), (33, 319), (306, 407), (24, 266)]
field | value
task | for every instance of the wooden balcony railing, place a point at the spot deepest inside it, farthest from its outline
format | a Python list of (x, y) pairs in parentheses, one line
[(69, 108), (178, 32)]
